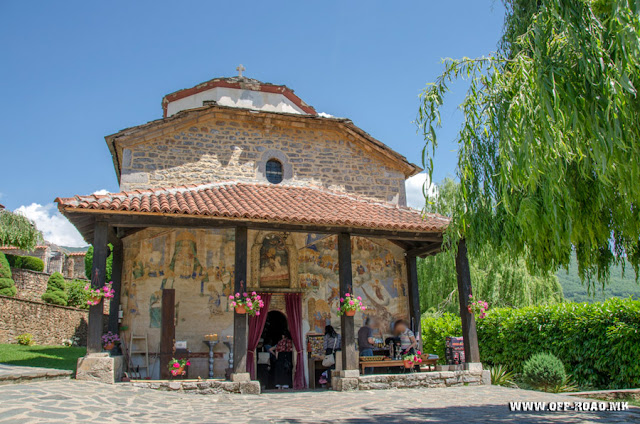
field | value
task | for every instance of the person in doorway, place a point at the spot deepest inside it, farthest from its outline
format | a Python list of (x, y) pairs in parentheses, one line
[(332, 343), (284, 361), (408, 342), (365, 341)]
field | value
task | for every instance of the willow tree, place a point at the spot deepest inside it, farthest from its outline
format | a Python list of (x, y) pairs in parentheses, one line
[(549, 152), (500, 280), (18, 231)]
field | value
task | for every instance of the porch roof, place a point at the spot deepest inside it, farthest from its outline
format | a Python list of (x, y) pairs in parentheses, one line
[(259, 203)]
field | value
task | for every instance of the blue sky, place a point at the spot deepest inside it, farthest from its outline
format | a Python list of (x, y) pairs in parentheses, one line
[(73, 72)]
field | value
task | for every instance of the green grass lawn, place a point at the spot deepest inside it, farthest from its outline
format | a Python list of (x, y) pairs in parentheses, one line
[(59, 357)]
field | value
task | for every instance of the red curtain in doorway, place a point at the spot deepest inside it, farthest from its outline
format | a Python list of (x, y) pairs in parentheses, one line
[(256, 325), (293, 303)]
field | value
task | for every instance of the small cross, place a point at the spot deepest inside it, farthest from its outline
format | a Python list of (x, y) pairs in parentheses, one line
[(240, 69)]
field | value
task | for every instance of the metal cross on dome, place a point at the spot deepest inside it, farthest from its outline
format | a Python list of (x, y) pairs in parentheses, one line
[(240, 69)]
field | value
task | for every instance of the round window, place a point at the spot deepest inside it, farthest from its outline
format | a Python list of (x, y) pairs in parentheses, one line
[(274, 171)]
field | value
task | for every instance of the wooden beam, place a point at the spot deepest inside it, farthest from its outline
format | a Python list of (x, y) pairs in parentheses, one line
[(134, 220), (345, 275), (414, 297), (116, 277), (98, 279), (167, 331), (425, 250), (471, 350), (240, 342)]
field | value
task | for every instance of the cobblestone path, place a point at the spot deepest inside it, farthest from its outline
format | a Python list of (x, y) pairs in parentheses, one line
[(73, 401)]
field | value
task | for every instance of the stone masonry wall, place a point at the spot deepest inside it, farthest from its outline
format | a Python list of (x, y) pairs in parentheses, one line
[(413, 380), (235, 149), (49, 324), (30, 285)]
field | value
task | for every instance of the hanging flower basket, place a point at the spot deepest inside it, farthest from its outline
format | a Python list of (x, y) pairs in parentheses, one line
[(408, 364), (410, 359), (477, 307), (246, 303), (94, 296), (350, 304)]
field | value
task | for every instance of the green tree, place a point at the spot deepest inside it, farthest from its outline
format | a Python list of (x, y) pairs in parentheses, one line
[(56, 290), (549, 152), (18, 231), (496, 278), (77, 296), (88, 263), (7, 285)]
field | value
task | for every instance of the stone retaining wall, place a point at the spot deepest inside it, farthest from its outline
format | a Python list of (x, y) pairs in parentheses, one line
[(413, 380), (202, 387), (30, 285), (49, 324)]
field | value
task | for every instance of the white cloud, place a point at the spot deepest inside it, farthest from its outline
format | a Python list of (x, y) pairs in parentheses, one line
[(414, 187), (325, 115), (55, 227), (101, 192)]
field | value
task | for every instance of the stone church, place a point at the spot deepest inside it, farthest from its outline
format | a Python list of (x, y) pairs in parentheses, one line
[(242, 186)]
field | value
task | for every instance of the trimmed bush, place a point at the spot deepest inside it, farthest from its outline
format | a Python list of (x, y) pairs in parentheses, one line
[(590, 339), (77, 296), (543, 371), (55, 292), (31, 263), (7, 285), (26, 262)]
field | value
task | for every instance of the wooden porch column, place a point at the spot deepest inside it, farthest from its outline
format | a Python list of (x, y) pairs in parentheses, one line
[(98, 275), (471, 351), (414, 297), (167, 331), (116, 277), (349, 354), (240, 320)]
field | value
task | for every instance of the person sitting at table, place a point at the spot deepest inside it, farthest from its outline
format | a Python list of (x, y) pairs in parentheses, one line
[(365, 341), (408, 342)]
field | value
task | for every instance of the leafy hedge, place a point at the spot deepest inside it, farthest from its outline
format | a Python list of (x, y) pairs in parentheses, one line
[(599, 343), (55, 292), (26, 262), (7, 285)]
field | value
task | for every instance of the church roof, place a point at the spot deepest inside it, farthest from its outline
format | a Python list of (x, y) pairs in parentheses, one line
[(259, 202)]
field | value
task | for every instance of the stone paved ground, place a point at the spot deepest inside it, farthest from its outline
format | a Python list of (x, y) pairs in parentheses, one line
[(73, 401)]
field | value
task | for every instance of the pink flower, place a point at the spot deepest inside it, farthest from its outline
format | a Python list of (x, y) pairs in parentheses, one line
[(253, 293), (359, 298), (351, 302), (470, 296), (257, 312), (342, 299), (363, 308), (231, 296), (419, 353), (234, 304), (347, 295), (237, 294), (258, 297), (188, 363), (176, 365)]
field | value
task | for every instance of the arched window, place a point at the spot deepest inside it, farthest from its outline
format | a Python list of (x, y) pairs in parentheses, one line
[(274, 171)]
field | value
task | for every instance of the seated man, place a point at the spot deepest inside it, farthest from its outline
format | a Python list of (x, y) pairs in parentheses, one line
[(408, 342), (365, 342)]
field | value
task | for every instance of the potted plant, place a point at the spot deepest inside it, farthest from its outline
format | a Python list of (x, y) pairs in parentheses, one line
[(349, 304), (478, 307), (176, 366), (410, 359), (110, 340), (94, 296), (247, 303)]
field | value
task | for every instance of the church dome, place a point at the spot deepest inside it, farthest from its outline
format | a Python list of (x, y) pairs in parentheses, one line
[(238, 91)]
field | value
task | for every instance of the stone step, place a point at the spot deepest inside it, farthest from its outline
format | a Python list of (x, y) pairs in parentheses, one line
[(14, 374)]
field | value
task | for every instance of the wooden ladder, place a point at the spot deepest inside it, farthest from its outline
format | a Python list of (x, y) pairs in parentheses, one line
[(136, 349)]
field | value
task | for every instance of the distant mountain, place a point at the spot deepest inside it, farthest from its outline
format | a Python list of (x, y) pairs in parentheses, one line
[(618, 286), (75, 249)]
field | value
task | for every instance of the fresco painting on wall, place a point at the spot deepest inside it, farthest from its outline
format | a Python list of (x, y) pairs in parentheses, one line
[(274, 262), (377, 278)]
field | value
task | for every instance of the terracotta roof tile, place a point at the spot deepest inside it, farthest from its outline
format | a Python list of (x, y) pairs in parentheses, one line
[(268, 202)]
